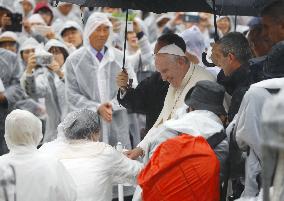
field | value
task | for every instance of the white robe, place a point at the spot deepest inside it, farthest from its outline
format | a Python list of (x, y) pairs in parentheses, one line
[(175, 97), (94, 166)]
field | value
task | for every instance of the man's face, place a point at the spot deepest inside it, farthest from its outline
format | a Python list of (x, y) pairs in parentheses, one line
[(273, 29), (169, 67), (215, 53), (99, 37), (73, 36), (220, 60)]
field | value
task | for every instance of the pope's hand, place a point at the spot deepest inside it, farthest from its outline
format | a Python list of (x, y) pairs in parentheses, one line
[(134, 153)]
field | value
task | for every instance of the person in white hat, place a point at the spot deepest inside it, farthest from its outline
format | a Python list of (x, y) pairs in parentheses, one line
[(9, 41)]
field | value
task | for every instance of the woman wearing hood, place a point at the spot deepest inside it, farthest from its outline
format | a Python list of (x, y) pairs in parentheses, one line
[(49, 85), (26, 49), (90, 79), (27, 6), (37, 176), (71, 33)]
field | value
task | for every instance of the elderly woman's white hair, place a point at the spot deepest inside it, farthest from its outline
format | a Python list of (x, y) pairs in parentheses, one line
[(94, 21), (22, 129)]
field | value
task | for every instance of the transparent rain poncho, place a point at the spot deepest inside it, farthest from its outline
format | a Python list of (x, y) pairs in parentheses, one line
[(39, 177), (22, 128), (90, 82), (7, 183), (194, 41), (273, 146), (94, 21)]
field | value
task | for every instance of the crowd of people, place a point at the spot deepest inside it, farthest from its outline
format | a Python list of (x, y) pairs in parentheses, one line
[(69, 97)]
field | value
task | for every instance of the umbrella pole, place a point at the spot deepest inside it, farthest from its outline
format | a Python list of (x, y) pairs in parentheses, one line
[(124, 49), (125, 40), (216, 37)]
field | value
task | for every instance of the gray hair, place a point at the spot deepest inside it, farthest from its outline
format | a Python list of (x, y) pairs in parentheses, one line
[(81, 124), (175, 58), (236, 44)]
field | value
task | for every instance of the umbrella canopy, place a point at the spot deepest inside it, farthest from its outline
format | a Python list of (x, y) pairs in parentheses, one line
[(239, 7), (157, 6), (223, 7)]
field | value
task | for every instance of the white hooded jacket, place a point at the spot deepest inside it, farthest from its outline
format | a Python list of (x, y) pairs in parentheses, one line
[(89, 83)]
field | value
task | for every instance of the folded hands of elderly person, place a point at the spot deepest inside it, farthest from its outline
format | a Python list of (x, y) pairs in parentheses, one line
[(105, 111)]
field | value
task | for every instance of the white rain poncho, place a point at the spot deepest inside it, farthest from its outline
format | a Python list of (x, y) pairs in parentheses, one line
[(94, 166), (49, 86), (248, 130), (38, 177), (194, 41), (89, 83), (273, 143)]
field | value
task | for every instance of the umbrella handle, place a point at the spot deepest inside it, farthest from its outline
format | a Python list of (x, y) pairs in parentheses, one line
[(125, 40)]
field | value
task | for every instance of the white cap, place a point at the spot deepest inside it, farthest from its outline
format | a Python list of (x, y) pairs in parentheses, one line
[(10, 35), (30, 43)]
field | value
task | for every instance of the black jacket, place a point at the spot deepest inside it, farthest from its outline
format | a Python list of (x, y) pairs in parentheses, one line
[(236, 85), (147, 98)]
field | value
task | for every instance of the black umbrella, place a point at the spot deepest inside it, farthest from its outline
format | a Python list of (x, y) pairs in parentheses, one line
[(157, 6), (223, 7)]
